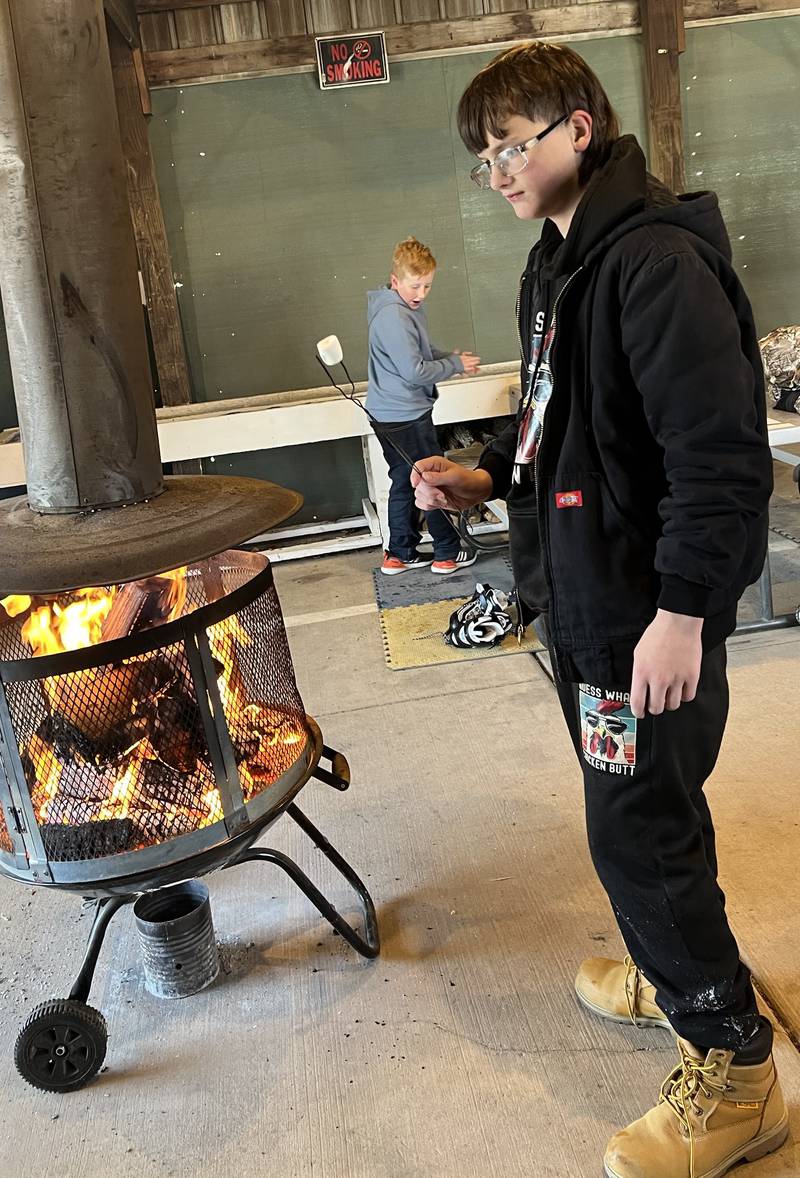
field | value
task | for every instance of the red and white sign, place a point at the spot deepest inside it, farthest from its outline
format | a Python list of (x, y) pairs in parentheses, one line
[(355, 60)]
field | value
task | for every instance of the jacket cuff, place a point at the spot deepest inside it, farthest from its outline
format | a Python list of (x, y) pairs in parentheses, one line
[(500, 470), (684, 597)]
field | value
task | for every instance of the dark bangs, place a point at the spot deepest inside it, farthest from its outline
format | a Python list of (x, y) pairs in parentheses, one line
[(540, 81)]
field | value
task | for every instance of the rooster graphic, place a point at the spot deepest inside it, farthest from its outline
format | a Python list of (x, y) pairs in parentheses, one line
[(605, 729)]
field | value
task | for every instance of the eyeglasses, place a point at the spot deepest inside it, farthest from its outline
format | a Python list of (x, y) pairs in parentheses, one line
[(617, 727), (512, 160)]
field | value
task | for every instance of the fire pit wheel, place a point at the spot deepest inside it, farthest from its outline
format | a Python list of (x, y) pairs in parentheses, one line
[(61, 1046)]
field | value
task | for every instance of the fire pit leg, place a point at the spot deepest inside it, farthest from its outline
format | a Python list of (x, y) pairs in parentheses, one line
[(369, 944), (62, 1044), (104, 911)]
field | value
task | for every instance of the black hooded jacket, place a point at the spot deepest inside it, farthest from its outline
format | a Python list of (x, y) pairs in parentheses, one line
[(652, 478)]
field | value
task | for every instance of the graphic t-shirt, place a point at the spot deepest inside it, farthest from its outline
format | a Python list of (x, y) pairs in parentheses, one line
[(540, 374)]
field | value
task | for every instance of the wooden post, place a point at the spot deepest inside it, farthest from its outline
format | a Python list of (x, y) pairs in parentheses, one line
[(150, 233), (141, 80), (664, 37), (123, 14)]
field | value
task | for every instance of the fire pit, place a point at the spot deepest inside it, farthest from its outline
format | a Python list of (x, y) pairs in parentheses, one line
[(151, 728), (151, 732)]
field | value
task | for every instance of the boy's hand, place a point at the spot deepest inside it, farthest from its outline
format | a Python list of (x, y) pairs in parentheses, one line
[(666, 664), (471, 363), (441, 483)]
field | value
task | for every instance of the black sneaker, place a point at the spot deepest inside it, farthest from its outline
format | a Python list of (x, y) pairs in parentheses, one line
[(392, 565), (446, 568)]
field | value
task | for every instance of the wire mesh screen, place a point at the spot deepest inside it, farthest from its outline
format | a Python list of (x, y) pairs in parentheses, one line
[(115, 757), (48, 625), (5, 838), (262, 706)]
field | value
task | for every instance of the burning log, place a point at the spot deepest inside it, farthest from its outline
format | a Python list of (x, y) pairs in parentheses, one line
[(162, 825), (267, 741), (94, 701), (176, 732), (71, 745), (127, 612), (140, 604), (17, 606), (213, 585), (80, 798), (163, 785), (88, 840), (97, 713)]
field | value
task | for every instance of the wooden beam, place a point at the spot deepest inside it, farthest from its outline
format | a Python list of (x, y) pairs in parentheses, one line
[(259, 58), (171, 5), (141, 80), (708, 10), (664, 40), (268, 56), (149, 231), (123, 14), (205, 63), (693, 9)]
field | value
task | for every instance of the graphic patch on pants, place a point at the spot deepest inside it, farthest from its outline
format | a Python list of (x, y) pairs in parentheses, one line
[(608, 729)]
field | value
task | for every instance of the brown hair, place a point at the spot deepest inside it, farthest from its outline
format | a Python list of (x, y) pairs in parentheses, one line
[(412, 257), (540, 81)]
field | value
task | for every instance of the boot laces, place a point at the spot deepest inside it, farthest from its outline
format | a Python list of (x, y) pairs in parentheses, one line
[(633, 980), (692, 1077)]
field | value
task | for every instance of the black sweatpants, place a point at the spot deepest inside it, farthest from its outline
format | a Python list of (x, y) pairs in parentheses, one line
[(651, 839)]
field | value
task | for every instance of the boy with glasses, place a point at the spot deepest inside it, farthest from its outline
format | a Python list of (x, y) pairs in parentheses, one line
[(638, 479)]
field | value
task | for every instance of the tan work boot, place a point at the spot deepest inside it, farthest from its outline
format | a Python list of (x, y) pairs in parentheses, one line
[(710, 1115), (619, 991)]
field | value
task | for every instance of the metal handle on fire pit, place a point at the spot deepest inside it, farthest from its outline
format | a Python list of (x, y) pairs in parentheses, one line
[(338, 776)]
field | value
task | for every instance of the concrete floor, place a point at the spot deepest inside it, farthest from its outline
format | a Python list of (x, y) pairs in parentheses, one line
[(461, 1051)]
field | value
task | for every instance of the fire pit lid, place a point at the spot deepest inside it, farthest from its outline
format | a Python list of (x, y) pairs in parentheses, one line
[(195, 517)]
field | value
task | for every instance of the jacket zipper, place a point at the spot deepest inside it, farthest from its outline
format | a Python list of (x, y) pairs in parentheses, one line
[(516, 316), (552, 325)]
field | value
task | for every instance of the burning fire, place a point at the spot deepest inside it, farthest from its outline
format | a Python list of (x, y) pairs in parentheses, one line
[(52, 628), (266, 732), (123, 742)]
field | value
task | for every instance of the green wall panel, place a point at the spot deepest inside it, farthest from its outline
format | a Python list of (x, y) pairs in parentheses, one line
[(283, 204), (741, 101)]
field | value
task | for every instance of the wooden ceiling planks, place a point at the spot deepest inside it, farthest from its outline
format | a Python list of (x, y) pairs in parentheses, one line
[(374, 14), (241, 22), (198, 62)]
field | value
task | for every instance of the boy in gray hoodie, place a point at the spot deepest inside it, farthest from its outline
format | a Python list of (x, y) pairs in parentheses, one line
[(403, 370)]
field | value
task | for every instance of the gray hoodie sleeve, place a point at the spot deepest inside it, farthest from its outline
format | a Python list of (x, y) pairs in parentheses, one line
[(399, 338)]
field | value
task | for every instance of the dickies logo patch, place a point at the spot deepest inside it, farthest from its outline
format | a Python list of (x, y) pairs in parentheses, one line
[(569, 498)]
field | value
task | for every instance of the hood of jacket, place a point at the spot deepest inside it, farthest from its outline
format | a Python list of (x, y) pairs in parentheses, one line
[(620, 197)]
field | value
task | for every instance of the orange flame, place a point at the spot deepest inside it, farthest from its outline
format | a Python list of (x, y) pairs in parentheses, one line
[(53, 627), (119, 790)]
